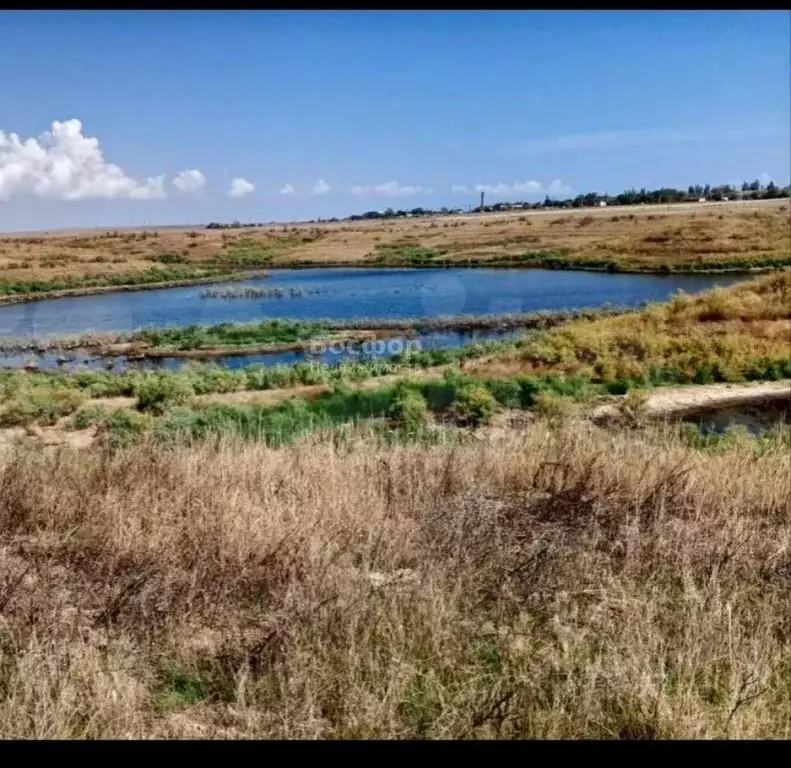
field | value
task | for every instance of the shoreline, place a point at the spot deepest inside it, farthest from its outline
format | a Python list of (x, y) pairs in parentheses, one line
[(233, 277), (782, 263)]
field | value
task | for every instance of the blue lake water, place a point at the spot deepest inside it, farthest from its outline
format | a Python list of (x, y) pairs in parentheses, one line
[(350, 293)]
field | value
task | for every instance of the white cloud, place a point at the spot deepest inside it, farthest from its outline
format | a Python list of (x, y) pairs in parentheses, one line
[(189, 182), (241, 188), (286, 190), (63, 164), (390, 189), (321, 187), (524, 188), (459, 189)]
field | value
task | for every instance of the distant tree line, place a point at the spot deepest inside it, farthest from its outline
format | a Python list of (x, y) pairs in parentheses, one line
[(749, 190), (665, 195), (234, 225)]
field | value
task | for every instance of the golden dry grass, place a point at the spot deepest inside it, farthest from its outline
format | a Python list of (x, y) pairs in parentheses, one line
[(731, 328), (561, 582), (641, 237)]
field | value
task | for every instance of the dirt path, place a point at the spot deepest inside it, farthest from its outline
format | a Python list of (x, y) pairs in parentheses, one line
[(667, 402)]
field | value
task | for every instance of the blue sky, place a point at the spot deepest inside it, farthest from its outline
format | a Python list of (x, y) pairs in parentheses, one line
[(360, 110)]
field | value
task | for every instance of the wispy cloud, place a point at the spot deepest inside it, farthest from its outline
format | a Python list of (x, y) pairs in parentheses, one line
[(321, 187), (189, 182), (637, 137), (389, 189), (460, 189), (529, 188), (286, 190), (241, 188), (64, 164)]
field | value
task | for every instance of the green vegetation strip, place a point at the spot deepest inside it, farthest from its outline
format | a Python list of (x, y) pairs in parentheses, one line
[(266, 332), (402, 409)]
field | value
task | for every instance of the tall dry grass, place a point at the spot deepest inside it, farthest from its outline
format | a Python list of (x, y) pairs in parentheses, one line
[(724, 334), (560, 582)]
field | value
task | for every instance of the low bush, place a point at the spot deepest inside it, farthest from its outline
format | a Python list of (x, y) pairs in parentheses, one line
[(475, 406), (159, 392), (409, 411), (42, 405)]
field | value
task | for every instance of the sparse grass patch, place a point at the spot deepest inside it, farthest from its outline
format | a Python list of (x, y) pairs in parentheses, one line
[(403, 253)]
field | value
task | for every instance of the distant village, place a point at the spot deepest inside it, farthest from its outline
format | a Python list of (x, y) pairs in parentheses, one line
[(696, 193)]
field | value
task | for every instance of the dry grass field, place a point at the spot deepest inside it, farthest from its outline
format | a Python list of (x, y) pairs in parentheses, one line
[(559, 582), (637, 237)]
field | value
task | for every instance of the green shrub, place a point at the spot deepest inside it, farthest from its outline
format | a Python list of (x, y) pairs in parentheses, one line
[(88, 417), (553, 406), (475, 405), (507, 392), (43, 405), (409, 410), (126, 425), (158, 392)]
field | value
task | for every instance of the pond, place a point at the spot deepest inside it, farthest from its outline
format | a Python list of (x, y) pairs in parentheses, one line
[(349, 293)]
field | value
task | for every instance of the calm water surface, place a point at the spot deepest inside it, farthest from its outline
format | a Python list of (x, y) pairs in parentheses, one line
[(348, 294)]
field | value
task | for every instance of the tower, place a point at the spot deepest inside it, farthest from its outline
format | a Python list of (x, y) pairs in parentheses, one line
[(482, 194)]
